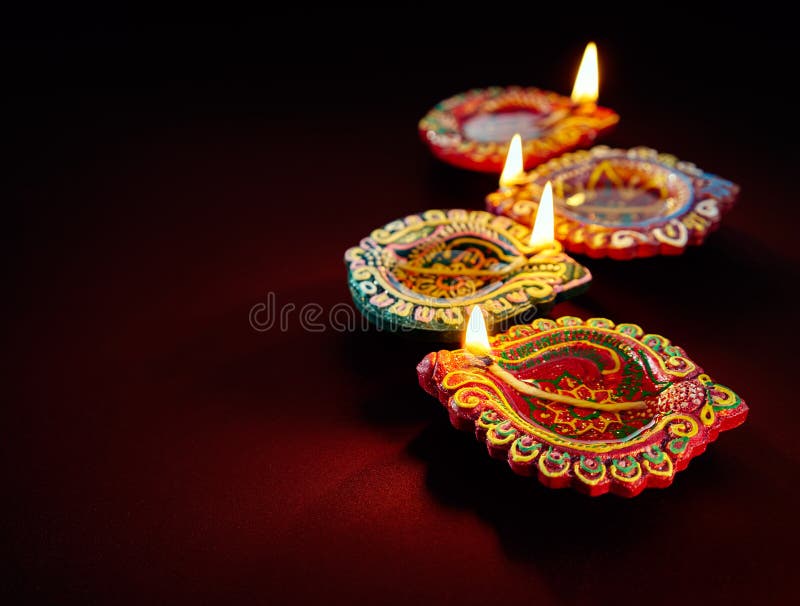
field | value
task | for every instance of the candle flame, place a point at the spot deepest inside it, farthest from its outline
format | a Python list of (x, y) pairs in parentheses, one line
[(476, 337), (587, 80), (544, 231), (513, 169)]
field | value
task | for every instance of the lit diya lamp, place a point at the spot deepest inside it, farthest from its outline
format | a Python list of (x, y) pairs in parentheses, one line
[(424, 272), (471, 130), (588, 404), (618, 203)]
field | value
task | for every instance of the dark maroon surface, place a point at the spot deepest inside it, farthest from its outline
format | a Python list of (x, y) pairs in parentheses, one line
[(158, 449)]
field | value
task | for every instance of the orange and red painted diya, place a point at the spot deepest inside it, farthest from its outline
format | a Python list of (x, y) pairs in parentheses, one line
[(472, 130), (638, 408), (622, 203)]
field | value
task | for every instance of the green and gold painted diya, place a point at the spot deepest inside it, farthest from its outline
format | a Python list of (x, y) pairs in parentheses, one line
[(424, 272)]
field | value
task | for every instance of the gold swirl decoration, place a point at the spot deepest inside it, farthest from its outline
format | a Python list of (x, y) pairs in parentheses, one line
[(524, 450), (681, 426), (502, 434), (708, 208), (723, 397), (626, 238), (679, 366), (488, 419), (524, 209), (361, 273), (657, 462), (627, 470), (469, 398), (434, 215), (631, 330), (554, 463), (540, 324), (674, 233), (354, 255), (593, 473), (600, 323), (707, 415)]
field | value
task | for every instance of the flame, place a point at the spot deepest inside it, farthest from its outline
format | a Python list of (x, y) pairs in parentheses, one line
[(587, 80), (544, 231), (513, 168), (476, 337)]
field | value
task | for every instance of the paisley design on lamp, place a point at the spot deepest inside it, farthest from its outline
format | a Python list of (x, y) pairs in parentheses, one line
[(472, 130), (594, 451), (424, 272), (622, 203)]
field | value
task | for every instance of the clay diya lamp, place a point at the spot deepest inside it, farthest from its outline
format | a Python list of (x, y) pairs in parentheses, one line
[(621, 203), (588, 404), (471, 130), (424, 272)]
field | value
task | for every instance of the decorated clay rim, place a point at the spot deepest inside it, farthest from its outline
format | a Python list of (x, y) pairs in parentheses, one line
[(425, 271), (573, 126), (476, 399), (700, 200)]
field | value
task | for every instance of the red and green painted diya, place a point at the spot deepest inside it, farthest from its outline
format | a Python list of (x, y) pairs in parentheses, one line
[(619, 449), (424, 272), (472, 130), (622, 203)]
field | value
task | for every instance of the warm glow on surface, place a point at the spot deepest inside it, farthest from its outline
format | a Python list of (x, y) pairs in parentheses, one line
[(476, 338), (513, 169), (576, 199), (544, 231), (587, 80)]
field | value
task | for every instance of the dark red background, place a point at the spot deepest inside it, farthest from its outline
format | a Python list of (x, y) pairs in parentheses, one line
[(164, 179)]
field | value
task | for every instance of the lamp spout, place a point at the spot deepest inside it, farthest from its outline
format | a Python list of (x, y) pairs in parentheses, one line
[(425, 373)]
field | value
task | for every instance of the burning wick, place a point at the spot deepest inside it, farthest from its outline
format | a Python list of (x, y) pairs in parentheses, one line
[(543, 232), (476, 342), (513, 169), (585, 90)]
